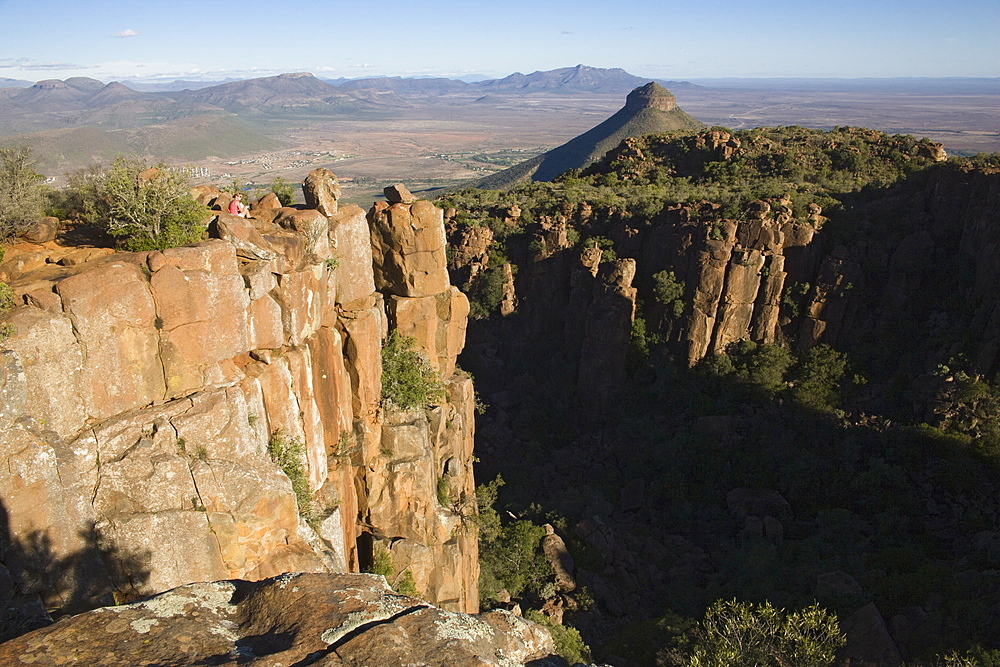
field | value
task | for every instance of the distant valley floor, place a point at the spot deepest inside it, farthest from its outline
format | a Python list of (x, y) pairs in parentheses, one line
[(438, 142), (443, 144)]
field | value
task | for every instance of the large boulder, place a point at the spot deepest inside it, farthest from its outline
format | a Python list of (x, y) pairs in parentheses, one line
[(321, 191), (41, 231), (398, 193), (242, 234), (409, 248), (351, 244), (313, 226), (296, 619)]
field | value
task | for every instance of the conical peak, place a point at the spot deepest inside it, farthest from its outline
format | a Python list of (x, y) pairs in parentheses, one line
[(651, 96)]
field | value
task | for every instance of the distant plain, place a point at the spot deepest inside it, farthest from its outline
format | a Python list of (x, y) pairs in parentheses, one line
[(445, 143), (432, 141)]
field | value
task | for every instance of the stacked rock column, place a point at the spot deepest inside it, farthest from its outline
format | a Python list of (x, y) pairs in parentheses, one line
[(419, 500)]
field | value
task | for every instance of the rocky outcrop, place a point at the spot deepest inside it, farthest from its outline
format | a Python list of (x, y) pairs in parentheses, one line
[(293, 619), (322, 190), (409, 248), (141, 392)]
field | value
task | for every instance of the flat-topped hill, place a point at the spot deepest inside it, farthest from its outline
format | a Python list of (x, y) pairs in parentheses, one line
[(649, 109)]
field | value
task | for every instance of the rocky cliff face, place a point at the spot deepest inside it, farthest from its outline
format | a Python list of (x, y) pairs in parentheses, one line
[(768, 276), (902, 276), (140, 393)]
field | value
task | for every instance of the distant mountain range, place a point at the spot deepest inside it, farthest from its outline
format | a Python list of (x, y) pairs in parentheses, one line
[(81, 119), (303, 91), (14, 83), (579, 79), (285, 93), (614, 81), (648, 109)]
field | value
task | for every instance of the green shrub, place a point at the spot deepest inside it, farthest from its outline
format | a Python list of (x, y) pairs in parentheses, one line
[(749, 369), (408, 379), (817, 378), (6, 297), (761, 366), (22, 197), (288, 454), (638, 347), (7, 302), (512, 561), (487, 518), (794, 299), (569, 643), (406, 585), (284, 190), (148, 208), (605, 244), (443, 492), (743, 634), (381, 564), (977, 656), (486, 293)]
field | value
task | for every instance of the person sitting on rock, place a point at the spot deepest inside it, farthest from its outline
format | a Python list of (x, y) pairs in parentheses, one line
[(237, 207)]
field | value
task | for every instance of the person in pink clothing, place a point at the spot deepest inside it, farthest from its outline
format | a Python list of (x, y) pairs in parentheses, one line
[(237, 207)]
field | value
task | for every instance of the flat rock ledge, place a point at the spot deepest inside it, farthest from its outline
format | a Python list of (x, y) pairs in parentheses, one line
[(293, 619)]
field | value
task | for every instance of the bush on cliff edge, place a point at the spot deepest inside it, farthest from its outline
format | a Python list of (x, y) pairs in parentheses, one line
[(7, 302), (21, 191), (147, 208), (408, 379)]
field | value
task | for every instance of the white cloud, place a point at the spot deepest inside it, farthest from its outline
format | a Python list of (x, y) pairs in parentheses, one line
[(25, 64), (126, 33)]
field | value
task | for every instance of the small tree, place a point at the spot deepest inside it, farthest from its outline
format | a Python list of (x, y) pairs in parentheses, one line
[(669, 292), (80, 201), (817, 378), (21, 191), (149, 208)]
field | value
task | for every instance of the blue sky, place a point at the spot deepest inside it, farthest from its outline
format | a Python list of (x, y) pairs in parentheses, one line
[(165, 40)]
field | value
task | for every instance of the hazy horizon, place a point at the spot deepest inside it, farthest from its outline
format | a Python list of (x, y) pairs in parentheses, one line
[(159, 41), (708, 81)]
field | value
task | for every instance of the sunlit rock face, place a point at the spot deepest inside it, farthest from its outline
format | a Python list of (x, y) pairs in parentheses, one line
[(139, 394)]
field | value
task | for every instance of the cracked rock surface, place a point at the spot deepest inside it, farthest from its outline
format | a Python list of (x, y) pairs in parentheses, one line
[(293, 619)]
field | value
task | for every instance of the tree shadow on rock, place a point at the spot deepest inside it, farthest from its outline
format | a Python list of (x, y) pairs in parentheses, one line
[(38, 584)]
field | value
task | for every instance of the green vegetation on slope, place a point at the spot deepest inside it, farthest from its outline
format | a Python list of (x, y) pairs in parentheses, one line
[(880, 491)]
